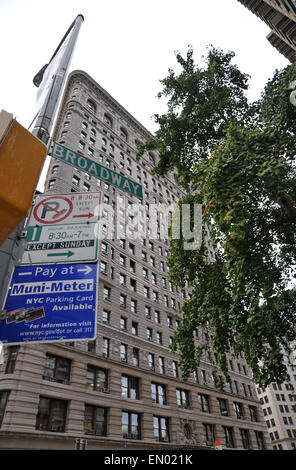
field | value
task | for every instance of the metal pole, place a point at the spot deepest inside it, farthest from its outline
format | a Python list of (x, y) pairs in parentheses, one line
[(61, 61), (53, 74)]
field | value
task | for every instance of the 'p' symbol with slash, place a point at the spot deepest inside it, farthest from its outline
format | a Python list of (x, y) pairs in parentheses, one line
[(53, 209)]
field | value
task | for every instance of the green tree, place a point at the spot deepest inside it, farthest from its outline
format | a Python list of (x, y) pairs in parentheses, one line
[(236, 159)]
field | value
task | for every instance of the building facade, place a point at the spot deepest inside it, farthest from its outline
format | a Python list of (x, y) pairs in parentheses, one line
[(278, 403), (123, 389), (280, 16)]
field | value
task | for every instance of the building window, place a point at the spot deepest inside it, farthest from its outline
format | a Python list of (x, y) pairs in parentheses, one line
[(133, 285), (253, 413), (122, 279), (175, 369), (132, 266), (57, 369), (123, 323), (51, 184), (51, 415), (123, 352), (159, 337), (130, 425), (155, 296), (103, 267), (245, 436), (104, 248), (108, 120), (170, 322), (86, 187), (157, 316), (161, 365), (204, 402), (223, 407), (95, 420), (106, 316), (107, 293), (81, 145), (260, 440), (161, 428), (3, 402), (146, 292), (158, 393), (133, 306), (209, 433), (134, 328), (123, 134), (135, 357), (91, 346), (228, 436), (106, 347), (91, 105), (96, 379), (145, 273), (182, 398), (130, 387), (238, 408), (122, 300), (151, 361), (75, 180), (11, 360)]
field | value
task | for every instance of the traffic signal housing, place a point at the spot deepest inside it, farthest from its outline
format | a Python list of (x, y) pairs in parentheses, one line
[(22, 156)]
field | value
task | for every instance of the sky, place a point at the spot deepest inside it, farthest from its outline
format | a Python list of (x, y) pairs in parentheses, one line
[(126, 46)]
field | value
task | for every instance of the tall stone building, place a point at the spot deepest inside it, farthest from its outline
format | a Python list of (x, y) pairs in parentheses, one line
[(278, 403), (123, 389), (280, 16)]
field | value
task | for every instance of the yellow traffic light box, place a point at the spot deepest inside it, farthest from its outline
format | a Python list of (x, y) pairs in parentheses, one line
[(22, 156)]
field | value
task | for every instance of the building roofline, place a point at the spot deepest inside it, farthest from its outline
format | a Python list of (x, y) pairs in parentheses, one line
[(76, 73)]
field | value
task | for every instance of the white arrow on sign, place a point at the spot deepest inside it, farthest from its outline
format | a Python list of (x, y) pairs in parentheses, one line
[(85, 270)]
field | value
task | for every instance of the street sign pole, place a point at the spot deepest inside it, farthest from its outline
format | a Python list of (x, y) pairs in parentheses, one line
[(50, 80)]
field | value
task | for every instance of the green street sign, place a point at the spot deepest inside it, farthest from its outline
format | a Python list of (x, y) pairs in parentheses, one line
[(77, 160)]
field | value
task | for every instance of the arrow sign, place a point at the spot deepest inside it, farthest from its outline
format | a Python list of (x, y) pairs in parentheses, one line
[(68, 254), (85, 270), (89, 215)]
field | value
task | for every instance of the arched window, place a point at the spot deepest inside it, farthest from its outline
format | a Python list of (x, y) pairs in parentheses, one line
[(123, 133), (91, 105), (152, 158), (108, 120)]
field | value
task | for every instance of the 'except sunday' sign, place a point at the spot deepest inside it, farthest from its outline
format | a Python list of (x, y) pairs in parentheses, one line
[(92, 168)]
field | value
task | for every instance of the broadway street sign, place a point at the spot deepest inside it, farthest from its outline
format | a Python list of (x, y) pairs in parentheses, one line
[(92, 168), (50, 303)]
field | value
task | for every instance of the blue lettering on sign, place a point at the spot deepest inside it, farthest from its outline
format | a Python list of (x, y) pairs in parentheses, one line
[(50, 303)]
